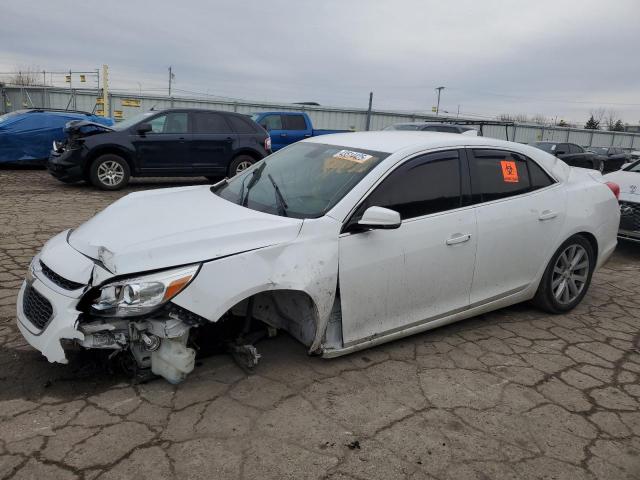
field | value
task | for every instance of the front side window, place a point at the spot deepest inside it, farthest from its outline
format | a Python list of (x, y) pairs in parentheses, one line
[(294, 122), (304, 180), (498, 174), (575, 148), (174, 122), (421, 186), (271, 122), (204, 122)]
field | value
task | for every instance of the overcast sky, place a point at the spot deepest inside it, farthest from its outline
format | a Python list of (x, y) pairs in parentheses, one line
[(557, 58)]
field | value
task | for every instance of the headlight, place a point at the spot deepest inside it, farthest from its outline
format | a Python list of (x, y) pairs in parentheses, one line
[(141, 295)]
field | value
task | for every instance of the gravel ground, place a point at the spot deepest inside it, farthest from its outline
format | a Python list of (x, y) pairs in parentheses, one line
[(514, 394)]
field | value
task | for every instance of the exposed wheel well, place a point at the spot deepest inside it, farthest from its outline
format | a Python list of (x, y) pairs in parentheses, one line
[(103, 151), (291, 310)]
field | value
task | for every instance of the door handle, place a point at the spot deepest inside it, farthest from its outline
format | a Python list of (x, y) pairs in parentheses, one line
[(181, 139), (547, 215), (283, 134), (228, 139), (307, 135), (459, 238)]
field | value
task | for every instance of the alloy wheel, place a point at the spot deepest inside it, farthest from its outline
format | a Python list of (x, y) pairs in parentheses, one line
[(110, 173), (570, 274), (243, 166)]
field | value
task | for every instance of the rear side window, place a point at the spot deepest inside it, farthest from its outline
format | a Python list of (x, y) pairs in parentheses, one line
[(204, 122), (498, 174), (539, 178), (241, 125), (294, 122), (424, 185)]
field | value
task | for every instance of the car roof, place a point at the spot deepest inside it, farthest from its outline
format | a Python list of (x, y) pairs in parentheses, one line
[(392, 141), (434, 124)]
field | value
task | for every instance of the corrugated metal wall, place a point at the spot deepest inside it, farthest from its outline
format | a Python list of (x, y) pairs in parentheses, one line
[(322, 117)]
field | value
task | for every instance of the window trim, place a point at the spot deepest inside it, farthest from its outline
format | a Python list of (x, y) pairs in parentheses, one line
[(464, 173), (556, 183)]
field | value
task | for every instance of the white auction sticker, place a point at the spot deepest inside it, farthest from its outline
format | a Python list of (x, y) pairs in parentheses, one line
[(352, 156)]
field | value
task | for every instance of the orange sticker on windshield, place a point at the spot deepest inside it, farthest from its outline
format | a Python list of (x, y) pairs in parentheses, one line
[(509, 171)]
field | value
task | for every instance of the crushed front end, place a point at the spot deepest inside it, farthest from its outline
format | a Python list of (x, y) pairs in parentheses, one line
[(70, 301)]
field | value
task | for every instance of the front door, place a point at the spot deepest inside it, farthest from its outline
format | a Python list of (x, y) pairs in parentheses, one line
[(520, 212), (274, 124), (165, 149), (391, 280)]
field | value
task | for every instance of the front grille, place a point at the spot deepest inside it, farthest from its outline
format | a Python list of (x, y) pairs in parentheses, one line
[(37, 308), (629, 216), (58, 280)]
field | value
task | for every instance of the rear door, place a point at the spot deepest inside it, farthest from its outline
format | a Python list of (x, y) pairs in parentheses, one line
[(391, 280), (296, 127), (211, 143), (165, 149), (520, 211)]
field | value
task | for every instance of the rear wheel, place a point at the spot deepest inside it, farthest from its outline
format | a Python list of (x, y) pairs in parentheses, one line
[(239, 164), (109, 172), (567, 277)]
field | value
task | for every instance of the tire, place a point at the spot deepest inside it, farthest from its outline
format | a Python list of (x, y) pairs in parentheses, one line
[(240, 163), (109, 172), (551, 295)]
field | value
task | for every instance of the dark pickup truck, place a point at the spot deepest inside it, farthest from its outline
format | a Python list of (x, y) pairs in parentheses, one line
[(286, 128), (572, 154)]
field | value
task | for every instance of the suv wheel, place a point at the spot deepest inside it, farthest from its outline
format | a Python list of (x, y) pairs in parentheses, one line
[(567, 277), (109, 172), (240, 163)]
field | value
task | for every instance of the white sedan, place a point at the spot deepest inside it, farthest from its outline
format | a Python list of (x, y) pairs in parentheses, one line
[(344, 241), (629, 181)]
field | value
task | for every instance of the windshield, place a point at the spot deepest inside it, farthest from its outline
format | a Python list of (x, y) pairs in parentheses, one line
[(546, 146), (304, 180), (7, 116), (403, 126), (132, 121), (634, 167)]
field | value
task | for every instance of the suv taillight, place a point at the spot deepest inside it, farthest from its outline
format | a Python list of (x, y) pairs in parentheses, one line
[(267, 144), (615, 188)]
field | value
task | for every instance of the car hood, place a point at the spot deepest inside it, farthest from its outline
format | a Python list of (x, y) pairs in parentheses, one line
[(176, 226), (85, 128)]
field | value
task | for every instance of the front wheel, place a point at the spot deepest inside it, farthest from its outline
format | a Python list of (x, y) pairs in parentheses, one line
[(239, 164), (567, 278), (109, 172)]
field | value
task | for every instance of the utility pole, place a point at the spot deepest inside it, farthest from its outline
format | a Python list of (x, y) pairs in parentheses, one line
[(105, 91), (458, 115), (439, 89), (369, 111), (170, 79)]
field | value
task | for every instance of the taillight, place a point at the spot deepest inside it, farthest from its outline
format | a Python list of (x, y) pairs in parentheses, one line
[(267, 144), (615, 188)]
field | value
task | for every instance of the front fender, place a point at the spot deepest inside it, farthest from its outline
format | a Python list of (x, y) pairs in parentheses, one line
[(307, 264)]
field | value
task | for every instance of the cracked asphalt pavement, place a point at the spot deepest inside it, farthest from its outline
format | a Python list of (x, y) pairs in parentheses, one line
[(515, 394)]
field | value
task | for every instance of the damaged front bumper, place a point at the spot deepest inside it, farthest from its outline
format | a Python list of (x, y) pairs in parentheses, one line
[(50, 319)]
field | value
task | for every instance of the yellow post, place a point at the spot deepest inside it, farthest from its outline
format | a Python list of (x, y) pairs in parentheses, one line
[(105, 89)]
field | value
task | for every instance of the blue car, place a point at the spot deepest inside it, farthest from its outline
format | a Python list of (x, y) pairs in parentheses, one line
[(26, 136)]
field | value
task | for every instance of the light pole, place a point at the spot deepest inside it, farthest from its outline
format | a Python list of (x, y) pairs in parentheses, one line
[(439, 89)]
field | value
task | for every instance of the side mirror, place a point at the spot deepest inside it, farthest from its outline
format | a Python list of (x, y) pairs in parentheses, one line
[(379, 217), (144, 128)]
